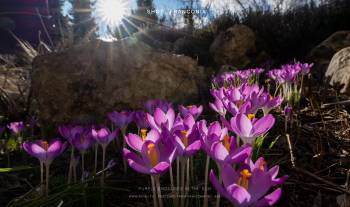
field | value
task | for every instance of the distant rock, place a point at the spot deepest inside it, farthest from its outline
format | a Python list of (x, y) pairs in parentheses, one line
[(234, 46), (338, 72), (88, 81), (322, 54)]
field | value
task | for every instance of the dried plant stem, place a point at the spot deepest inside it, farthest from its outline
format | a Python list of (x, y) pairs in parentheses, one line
[(159, 192), (292, 158), (218, 194), (205, 199), (154, 195)]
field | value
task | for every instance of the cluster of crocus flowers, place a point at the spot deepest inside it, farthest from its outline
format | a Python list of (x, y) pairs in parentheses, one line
[(237, 77), (289, 80)]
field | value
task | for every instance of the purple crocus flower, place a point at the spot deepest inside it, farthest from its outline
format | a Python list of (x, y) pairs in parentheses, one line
[(248, 128), (228, 151), (44, 151), (261, 164), (211, 134), (140, 118), (104, 136), (186, 136), (121, 119), (152, 105), (218, 106), (135, 142), (271, 103), (154, 158), (193, 110), (162, 119), (246, 187), (16, 127), (71, 133), (306, 68), (82, 141)]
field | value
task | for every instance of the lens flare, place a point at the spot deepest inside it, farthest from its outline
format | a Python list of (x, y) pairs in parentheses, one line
[(111, 12)]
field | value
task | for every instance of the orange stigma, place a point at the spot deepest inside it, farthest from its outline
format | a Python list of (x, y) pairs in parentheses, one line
[(45, 145), (251, 116), (184, 138), (243, 180), (262, 165), (143, 134), (190, 106), (227, 142), (152, 154)]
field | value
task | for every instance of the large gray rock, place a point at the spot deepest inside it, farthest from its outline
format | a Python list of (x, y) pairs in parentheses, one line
[(88, 81), (338, 72), (234, 46), (322, 54)]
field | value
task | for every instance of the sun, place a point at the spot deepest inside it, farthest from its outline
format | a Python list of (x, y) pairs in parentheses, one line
[(111, 12)]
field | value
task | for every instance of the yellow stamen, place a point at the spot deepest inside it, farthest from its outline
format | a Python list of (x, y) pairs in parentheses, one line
[(262, 165), (227, 142), (270, 97), (184, 138), (243, 180), (45, 145), (190, 106), (152, 154), (251, 116), (143, 134)]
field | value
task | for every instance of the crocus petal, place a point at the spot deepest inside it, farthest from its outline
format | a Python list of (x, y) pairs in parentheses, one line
[(239, 195), (38, 152), (219, 151), (134, 141), (170, 117), (263, 125), (160, 168), (153, 135), (261, 179), (151, 122), (241, 125), (229, 175), (193, 148), (159, 117), (270, 199), (241, 154), (214, 181)]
